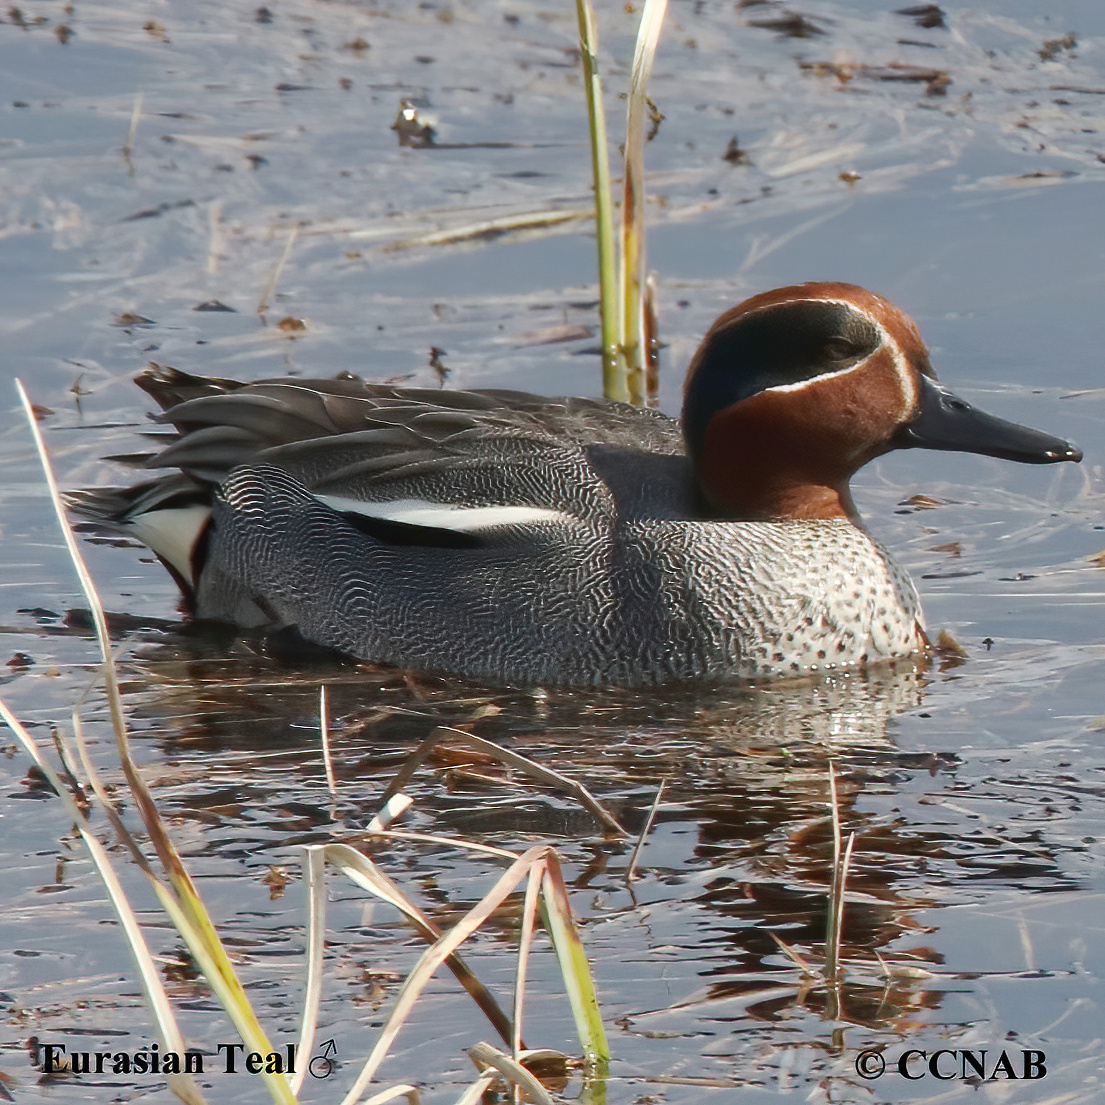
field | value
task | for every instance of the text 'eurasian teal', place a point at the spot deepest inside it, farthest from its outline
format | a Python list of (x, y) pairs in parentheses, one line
[(516, 539)]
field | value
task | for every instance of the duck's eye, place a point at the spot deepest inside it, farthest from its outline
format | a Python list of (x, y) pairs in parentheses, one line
[(839, 349)]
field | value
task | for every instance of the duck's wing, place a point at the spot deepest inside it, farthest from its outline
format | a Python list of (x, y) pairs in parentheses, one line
[(344, 439), (405, 466)]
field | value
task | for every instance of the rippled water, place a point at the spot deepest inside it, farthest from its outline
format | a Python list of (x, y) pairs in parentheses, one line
[(976, 790)]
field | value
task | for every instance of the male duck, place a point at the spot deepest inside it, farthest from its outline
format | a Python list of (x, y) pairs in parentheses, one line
[(516, 539)]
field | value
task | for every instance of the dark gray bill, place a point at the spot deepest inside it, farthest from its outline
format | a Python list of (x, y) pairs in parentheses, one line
[(947, 422)]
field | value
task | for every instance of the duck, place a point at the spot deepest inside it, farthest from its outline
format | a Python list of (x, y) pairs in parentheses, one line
[(520, 540)]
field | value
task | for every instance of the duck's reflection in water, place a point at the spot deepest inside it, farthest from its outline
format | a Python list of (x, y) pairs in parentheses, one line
[(736, 873)]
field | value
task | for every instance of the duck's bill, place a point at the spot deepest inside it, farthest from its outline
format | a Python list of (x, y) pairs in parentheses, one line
[(948, 422)]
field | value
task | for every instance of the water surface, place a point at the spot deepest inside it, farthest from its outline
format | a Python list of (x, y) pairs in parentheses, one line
[(976, 790)]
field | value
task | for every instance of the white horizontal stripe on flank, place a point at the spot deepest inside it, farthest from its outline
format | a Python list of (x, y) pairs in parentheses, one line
[(462, 519), (172, 534)]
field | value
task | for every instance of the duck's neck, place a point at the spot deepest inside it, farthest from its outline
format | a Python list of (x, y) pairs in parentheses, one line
[(748, 471)]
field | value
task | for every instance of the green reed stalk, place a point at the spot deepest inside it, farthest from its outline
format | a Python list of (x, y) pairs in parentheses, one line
[(623, 285), (614, 376)]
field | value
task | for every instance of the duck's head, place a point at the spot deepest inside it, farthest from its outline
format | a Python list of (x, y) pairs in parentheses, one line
[(795, 389)]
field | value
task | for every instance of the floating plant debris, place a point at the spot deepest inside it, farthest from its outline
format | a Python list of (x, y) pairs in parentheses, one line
[(129, 321), (1055, 46), (928, 16), (734, 154), (413, 130), (936, 80), (789, 25)]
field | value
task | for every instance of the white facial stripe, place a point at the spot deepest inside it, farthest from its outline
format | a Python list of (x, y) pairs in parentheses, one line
[(800, 384), (461, 519), (910, 393)]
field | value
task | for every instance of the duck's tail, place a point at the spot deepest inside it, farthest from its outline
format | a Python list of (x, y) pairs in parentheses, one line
[(170, 515), (169, 386)]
